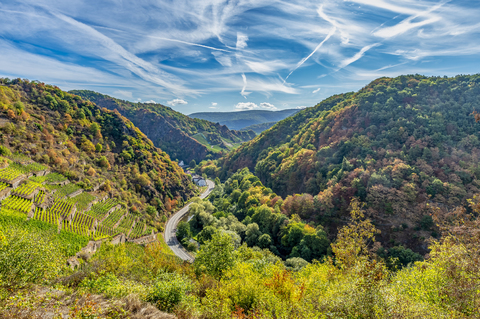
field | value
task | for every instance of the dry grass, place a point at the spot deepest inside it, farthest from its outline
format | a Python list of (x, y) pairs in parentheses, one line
[(45, 303)]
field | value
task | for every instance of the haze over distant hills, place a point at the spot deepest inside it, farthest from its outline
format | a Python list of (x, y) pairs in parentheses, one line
[(242, 119)]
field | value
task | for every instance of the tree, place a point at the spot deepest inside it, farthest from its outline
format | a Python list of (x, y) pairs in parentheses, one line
[(98, 147), (264, 241), (353, 240), (152, 211), (88, 146), (216, 256), (252, 233), (206, 234), (183, 231), (192, 163)]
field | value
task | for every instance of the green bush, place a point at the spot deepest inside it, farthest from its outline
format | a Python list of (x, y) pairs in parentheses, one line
[(169, 290), (5, 151)]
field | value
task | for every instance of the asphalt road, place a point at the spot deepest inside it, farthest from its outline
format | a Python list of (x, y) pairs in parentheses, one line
[(171, 227)]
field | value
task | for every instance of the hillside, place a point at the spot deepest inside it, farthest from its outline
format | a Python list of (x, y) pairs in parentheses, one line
[(90, 145), (180, 136), (398, 144), (242, 119), (259, 128)]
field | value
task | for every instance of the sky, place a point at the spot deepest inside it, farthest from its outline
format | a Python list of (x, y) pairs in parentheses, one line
[(216, 55)]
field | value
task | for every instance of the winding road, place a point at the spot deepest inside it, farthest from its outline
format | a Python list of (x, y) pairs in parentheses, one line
[(171, 227)]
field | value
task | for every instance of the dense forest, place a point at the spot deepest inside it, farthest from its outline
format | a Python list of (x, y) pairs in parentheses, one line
[(89, 144), (401, 145), (180, 136)]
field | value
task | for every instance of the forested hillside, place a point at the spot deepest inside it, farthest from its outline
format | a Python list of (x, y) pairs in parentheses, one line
[(240, 120), (401, 145), (89, 144), (182, 137)]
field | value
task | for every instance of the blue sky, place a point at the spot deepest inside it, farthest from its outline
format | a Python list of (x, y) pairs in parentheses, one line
[(214, 55)]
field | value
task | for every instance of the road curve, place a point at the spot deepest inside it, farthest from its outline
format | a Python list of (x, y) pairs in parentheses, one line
[(171, 227)]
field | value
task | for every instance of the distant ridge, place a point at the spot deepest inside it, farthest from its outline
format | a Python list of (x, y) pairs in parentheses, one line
[(241, 119), (180, 136)]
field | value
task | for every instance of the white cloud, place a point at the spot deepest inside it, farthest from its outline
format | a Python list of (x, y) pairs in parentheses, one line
[(212, 107), (126, 94), (246, 106), (176, 102), (241, 41), (316, 91), (214, 103), (301, 107), (269, 106), (151, 101)]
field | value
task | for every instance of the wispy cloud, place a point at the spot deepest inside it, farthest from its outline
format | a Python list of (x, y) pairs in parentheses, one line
[(123, 93), (253, 106), (210, 50), (357, 55), (316, 91), (243, 92)]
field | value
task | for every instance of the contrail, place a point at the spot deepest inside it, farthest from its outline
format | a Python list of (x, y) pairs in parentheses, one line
[(189, 43), (299, 64)]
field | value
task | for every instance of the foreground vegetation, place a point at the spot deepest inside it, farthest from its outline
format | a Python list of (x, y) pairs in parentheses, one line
[(242, 282)]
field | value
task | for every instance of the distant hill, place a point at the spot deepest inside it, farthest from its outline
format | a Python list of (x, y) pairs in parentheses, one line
[(182, 137), (242, 119), (259, 128)]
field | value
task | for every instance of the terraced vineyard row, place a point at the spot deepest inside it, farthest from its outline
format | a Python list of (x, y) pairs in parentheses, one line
[(75, 228), (27, 188), (3, 186), (83, 220), (46, 215), (62, 207), (17, 203), (114, 218), (99, 210), (102, 232), (126, 224), (39, 198), (9, 174)]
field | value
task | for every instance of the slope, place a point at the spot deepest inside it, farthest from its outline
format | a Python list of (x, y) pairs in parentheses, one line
[(240, 120), (98, 147), (181, 137), (397, 144)]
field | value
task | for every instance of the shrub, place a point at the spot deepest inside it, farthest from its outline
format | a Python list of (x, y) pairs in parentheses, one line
[(169, 290)]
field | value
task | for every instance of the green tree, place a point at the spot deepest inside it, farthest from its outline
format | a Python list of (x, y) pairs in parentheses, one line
[(216, 256), (183, 231)]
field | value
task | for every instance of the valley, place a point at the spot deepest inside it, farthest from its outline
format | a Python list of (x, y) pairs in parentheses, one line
[(380, 182)]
